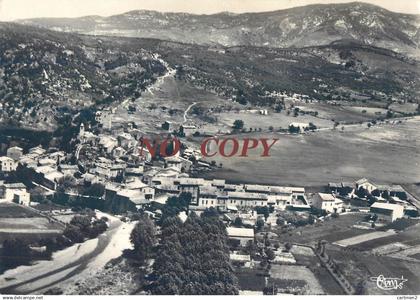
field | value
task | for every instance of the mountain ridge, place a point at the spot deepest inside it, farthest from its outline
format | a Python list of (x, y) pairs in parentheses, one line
[(312, 25)]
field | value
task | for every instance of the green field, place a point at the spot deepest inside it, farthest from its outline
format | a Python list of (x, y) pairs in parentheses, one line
[(330, 230), (11, 210), (385, 154)]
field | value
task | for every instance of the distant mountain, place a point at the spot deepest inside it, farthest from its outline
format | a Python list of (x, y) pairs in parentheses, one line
[(313, 25)]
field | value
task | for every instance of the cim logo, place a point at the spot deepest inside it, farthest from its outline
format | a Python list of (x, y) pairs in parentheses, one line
[(225, 147), (388, 284)]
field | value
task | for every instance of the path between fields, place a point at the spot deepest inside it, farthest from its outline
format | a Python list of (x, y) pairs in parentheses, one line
[(187, 110), (70, 263)]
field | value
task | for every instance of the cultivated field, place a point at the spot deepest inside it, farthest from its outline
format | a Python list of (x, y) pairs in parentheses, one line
[(408, 237), (21, 222), (404, 108), (305, 256)]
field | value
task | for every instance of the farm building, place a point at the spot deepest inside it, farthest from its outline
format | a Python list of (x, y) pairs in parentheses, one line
[(302, 126), (167, 125), (387, 211), (366, 184)]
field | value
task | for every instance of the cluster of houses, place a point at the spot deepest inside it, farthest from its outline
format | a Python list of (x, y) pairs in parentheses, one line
[(231, 197), (111, 158), (389, 202)]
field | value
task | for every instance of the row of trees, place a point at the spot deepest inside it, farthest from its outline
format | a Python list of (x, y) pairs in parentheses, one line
[(297, 129), (193, 258), (143, 237)]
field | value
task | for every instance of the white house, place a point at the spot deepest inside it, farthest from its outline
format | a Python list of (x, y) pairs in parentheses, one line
[(243, 258), (50, 176), (126, 141), (327, 202), (366, 184), (7, 164), (144, 154), (135, 192), (179, 163), (15, 153), (188, 129), (22, 198), (104, 118), (14, 192)]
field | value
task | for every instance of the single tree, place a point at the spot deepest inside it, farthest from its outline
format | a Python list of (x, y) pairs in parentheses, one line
[(238, 124)]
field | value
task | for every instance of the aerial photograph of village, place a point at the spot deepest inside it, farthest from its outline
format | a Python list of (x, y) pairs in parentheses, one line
[(229, 147)]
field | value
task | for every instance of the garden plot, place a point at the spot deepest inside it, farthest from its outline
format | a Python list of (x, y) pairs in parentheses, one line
[(389, 248), (290, 274), (300, 250)]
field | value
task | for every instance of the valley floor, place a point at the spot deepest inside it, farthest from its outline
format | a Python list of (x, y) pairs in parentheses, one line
[(384, 153)]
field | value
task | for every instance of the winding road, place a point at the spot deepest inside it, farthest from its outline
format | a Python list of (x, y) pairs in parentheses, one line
[(187, 110)]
